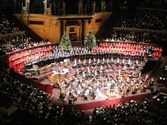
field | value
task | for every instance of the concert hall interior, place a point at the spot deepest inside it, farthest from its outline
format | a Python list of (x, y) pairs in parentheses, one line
[(83, 62)]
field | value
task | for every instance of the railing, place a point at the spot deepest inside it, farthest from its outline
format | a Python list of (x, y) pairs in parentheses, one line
[(13, 34), (138, 30), (44, 87)]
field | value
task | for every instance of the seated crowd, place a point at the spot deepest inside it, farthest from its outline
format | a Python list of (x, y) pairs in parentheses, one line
[(154, 4), (30, 99), (137, 36), (147, 112), (147, 25), (14, 42), (37, 102), (19, 59), (144, 19), (163, 76), (33, 100), (6, 26)]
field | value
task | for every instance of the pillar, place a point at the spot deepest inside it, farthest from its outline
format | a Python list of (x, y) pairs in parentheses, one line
[(103, 6), (25, 8), (49, 10), (58, 8), (64, 7), (45, 6), (28, 11), (80, 7), (87, 7), (55, 8), (93, 7), (15, 6)]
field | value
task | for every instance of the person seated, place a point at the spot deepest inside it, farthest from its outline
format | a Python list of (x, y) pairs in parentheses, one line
[(62, 96), (129, 62), (117, 62), (85, 97)]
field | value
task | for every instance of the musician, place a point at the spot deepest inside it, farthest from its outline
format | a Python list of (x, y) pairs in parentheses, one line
[(129, 62), (117, 62)]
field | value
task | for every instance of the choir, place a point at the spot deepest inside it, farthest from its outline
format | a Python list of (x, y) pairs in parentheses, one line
[(18, 60)]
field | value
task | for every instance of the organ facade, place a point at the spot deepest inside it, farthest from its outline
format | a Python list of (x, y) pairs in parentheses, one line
[(52, 18)]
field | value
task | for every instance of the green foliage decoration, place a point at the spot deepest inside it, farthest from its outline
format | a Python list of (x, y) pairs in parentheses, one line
[(90, 40), (65, 43)]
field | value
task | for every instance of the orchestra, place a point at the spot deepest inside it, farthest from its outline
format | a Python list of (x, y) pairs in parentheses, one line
[(110, 68)]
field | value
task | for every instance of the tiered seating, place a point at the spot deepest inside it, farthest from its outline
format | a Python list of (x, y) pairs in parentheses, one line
[(6, 26), (146, 25), (31, 99), (19, 59), (144, 19), (125, 34), (34, 100), (136, 51), (134, 112)]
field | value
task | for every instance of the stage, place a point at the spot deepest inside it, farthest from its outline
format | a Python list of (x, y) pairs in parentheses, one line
[(98, 102), (93, 85)]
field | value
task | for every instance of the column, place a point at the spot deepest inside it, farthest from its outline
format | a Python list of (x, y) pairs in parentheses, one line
[(110, 5), (50, 9), (26, 8), (55, 8), (28, 11), (87, 7), (15, 7), (102, 6), (58, 8), (80, 7), (45, 6), (22, 8), (64, 7), (93, 7)]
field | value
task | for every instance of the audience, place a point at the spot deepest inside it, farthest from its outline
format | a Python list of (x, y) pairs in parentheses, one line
[(35, 101), (144, 19), (14, 41), (162, 76), (137, 36), (28, 98), (147, 111), (147, 25), (6, 26), (154, 4)]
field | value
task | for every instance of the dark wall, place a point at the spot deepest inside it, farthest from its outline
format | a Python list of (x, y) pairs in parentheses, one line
[(71, 6), (132, 6), (8, 5)]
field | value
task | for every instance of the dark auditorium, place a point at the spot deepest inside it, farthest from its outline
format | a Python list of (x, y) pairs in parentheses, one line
[(83, 62)]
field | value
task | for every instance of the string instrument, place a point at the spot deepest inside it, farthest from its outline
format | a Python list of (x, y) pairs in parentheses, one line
[(139, 78), (61, 84), (139, 85), (126, 76), (115, 78), (133, 90), (121, 88), (125, 91)]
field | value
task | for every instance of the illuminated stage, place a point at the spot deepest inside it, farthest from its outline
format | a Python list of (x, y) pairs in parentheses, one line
[(105, 96), (99, 102), (110, 74)]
